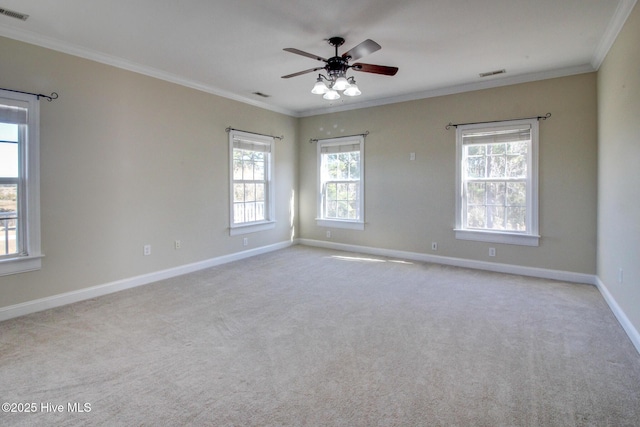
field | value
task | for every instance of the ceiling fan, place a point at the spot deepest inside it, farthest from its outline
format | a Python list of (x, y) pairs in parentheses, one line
[(336, 68)]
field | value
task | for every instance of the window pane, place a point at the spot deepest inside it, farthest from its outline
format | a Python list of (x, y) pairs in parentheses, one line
[(496, 193), (476, 167), (249, 186), (342, 191), (476, 193), (343, 159), (475, 150), (476, 217), (340, 181), (353, 210), (260, 194), (495, 217), (354, 167), (9, 159), (238, 213), (8, 218), (237, 167), (496, 166), (332, 209), (8, 192), (247, 166), (249, 212), (258, 170), (496, 149), (332, 166), (331, 189), (516, 166), (353, 191), (516, 194), (259, 215), (516, 218), (343, 209), (238, 192), (249, 192), (520, 147), (8, 132)]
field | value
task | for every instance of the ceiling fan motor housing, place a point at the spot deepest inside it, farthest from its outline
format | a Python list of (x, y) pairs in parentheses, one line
[(336, 66)]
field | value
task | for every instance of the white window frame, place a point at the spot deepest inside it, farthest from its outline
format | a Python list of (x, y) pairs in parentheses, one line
[(236, 138), (30, 256), (321, 220), (529, 237)]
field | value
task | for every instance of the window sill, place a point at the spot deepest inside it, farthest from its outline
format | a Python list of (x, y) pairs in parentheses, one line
[(337, 223), (251, 228), (498, 237), (20, 264)]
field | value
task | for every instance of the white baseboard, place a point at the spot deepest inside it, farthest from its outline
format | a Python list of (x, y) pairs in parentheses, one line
[(33, 306), (626, 324), (565, 276)]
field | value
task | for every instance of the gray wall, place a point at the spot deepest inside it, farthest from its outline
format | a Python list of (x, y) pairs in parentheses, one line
[(410, 204), (129, 160), (619, 171)]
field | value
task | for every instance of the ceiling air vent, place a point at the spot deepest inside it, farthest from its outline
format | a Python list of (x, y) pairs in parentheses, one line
[(13, 14), (493, 73), (264, 95)]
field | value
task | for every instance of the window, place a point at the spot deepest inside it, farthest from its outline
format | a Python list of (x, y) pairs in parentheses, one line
[(341, 183), (497, 194), (251, 182), (19, 183)]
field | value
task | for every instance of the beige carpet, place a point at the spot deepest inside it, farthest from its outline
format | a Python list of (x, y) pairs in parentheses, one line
[(310, 337)]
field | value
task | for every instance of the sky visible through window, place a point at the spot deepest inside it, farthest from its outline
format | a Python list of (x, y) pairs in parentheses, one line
[(8, 151)]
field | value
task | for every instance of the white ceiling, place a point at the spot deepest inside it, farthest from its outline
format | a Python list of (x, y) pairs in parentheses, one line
[(233, 48)]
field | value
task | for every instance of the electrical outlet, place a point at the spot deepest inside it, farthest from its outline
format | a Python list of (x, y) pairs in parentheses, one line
[(177, 244), (245, 241), (620, 275), (412, 156), (492, 251), (328, 234), (146, 250), (434, 246)]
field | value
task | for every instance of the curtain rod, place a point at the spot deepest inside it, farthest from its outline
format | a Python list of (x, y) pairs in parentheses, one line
[(545, 117), (345, 136), (49, 98), (229, 129)]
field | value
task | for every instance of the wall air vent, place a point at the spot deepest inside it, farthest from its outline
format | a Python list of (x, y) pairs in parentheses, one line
[(493, 73), (12, 14)]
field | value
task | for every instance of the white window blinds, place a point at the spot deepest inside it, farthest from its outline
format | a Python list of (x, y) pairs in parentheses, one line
[(497, 135), (13, 114)]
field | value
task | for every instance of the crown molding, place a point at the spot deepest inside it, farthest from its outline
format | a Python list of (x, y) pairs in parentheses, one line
[(53, 44), (611, 33), (614, 27), (451, 90)]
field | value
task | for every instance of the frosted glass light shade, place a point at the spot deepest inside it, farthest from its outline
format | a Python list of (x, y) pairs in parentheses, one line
[(319, 88), (341, 84), (352, 90), (331, 95)]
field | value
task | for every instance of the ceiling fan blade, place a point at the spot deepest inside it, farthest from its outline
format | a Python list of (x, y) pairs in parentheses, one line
[(303, 53), (365, 48), (299, 73), (376, 69)]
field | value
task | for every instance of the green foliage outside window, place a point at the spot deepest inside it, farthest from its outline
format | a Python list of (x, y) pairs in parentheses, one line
[(496, 186)]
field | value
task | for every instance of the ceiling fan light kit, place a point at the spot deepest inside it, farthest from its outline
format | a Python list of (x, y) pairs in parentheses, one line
[(337, 66), (319, 88)]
